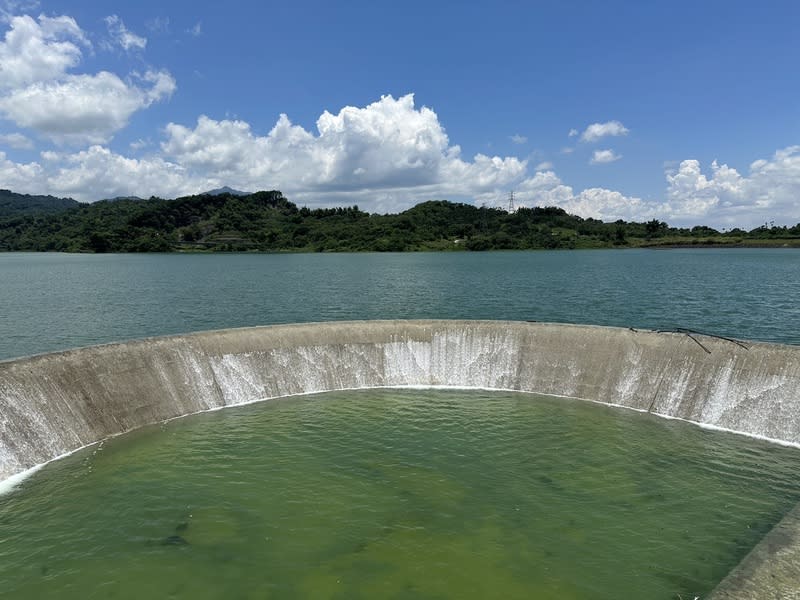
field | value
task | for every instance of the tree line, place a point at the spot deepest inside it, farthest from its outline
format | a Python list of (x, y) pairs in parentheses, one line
[(266, 221)]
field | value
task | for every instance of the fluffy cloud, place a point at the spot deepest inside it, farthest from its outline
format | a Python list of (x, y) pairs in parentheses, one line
[(385, 156), (602, 157), (120, 35), (770, 192), (388, 147), (21, 177), (84, 108), (34, 51), (597, 131), (610, 205), (37, 93), (546, 189), (518, 139), (99, 173), (723, 198)]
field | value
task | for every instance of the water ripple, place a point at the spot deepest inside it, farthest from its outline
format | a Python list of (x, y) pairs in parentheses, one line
[(376, 493), (55, 301)]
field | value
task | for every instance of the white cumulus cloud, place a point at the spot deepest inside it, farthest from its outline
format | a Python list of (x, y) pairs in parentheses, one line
[(518, 139), (38, 93), (611, 205), (771, 191), (385, 156), (97, 173), (546, 189), (21, 177), (83, 108), (39, 50), (722, 197), (388, 148), (597, 131), (601, 157)]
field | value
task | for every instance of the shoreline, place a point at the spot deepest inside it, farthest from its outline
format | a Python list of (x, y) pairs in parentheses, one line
[(788, 244)]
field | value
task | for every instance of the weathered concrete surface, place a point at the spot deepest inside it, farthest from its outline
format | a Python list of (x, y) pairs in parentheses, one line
[(772, 569), (55, 403)]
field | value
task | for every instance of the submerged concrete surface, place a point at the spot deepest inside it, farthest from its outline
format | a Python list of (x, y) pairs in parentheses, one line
[(55, 403), (772, 569)]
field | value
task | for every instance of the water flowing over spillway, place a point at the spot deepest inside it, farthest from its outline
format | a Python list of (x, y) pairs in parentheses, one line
[(53, 404)]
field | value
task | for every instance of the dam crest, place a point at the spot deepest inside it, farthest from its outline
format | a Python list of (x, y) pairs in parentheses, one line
[(53, 404)]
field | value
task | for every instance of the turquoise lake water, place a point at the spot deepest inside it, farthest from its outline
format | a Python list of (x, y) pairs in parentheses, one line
[(56, 301), (397, 494)]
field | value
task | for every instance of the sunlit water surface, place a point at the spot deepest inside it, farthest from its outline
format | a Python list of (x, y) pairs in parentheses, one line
[(56, 301), (397, 494)]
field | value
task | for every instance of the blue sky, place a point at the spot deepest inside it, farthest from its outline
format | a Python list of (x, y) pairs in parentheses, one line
[(687, 112)]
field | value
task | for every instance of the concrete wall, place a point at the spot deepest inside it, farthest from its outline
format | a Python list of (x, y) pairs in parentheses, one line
[(55, 403)]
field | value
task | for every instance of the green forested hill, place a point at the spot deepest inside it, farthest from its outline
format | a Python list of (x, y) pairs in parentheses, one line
[(13, 204), (266, 221)]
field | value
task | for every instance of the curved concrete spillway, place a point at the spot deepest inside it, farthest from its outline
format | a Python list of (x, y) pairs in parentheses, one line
[(55, 403)]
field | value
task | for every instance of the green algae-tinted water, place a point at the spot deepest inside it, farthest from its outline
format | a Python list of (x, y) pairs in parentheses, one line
[(397, 494)]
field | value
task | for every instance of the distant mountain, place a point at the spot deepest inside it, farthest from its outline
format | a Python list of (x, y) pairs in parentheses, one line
[(124, 198), (225, 190), (13, 204)]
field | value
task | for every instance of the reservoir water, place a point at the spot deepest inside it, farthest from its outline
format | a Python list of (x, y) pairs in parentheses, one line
[(407, 494), (397, 494), (57, 301)]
